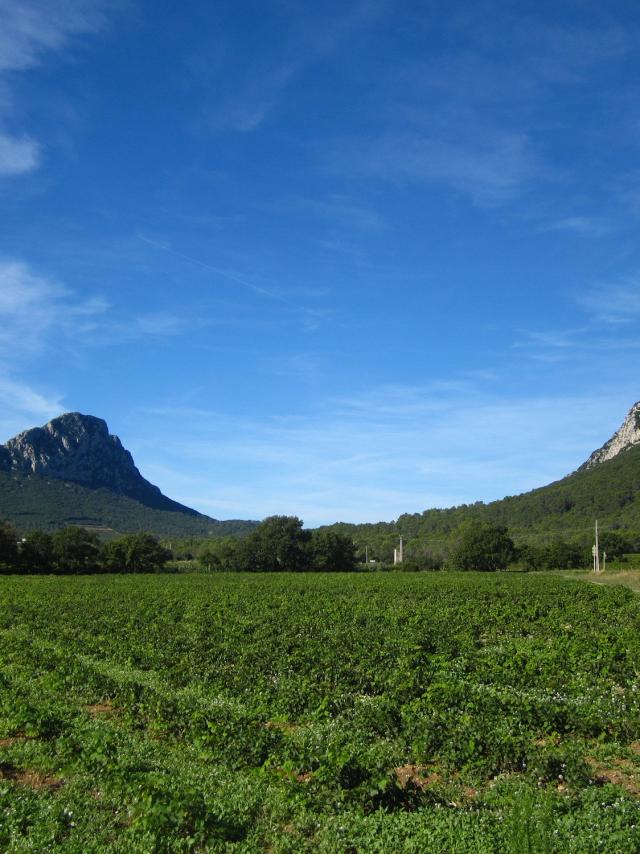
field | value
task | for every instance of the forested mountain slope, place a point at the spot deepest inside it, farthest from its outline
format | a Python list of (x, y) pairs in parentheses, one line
[(32, 503), (567, 508)]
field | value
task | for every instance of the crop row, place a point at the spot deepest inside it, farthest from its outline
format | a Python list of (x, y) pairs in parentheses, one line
[(418, 696)]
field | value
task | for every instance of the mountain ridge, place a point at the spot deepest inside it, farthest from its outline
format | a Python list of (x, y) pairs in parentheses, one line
[(625, 437), (73, 471), (79, 448)]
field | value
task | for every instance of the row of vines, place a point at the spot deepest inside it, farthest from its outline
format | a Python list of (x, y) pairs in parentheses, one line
[(449, 712)]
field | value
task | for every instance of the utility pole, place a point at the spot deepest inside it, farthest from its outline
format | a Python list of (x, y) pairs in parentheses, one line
[(604, 561), (397, 554), (596, 552)]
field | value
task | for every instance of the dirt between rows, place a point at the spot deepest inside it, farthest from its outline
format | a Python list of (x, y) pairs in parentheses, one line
[(621, 772), (36, 780), (100, 710)]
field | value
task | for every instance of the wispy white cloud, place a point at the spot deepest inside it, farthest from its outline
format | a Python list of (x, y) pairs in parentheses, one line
[(474, 115), (245, 102), (567, 54), (161, 323), (613, 303), (37, 311), (301, 365), (339, 210), (29, 31), (490, 167), (293, 299), (583, 225), (32, 28), (222, 272), (556, 339), (18, 396), (38, 314), (378, 454), (33, 306), (22, 406), (18, 154)]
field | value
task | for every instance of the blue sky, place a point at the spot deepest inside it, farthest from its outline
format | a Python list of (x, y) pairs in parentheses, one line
[(340, 260)]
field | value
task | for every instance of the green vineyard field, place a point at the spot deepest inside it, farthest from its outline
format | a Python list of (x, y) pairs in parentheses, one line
[(320, 712)]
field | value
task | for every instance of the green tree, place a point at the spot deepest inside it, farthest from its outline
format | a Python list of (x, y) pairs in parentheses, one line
[(557, 554), (279, 544), (134, 553), (75, 550), (482, 546), (36, 552), (616, 545), (8, 548), (562, 555), (219, 555), (532, 557), (332, 552)]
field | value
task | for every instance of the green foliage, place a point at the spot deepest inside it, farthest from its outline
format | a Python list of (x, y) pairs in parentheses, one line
[(482, 546), (36, 552), (8, 547), (75, 550), (616, 544), (332, 552), (564, 510), (219, 555), (556, 555), (279, 544), (318, 712), (36, 503), (134, 553)]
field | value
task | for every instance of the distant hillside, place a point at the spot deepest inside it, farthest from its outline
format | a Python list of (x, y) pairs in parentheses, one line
[(73, 471), (608, 491), (32, 503)]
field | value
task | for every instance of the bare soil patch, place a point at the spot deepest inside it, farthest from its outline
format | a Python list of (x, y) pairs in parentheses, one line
[(100, 710), (416, 776), (620, 772), (36, 780), (16, 739), (282, 726)]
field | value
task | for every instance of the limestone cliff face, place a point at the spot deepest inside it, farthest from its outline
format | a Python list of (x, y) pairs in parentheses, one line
[(79, 448), (627, 435)]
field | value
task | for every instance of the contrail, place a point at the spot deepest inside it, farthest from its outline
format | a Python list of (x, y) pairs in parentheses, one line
[(217, 270)]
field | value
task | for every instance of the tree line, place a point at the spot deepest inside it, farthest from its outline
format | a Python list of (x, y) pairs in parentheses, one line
[(282, 544), (74, 550), (278, 544)]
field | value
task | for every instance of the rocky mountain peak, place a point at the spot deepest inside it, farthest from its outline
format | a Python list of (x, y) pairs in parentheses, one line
[(78, 448), (625, 437)]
